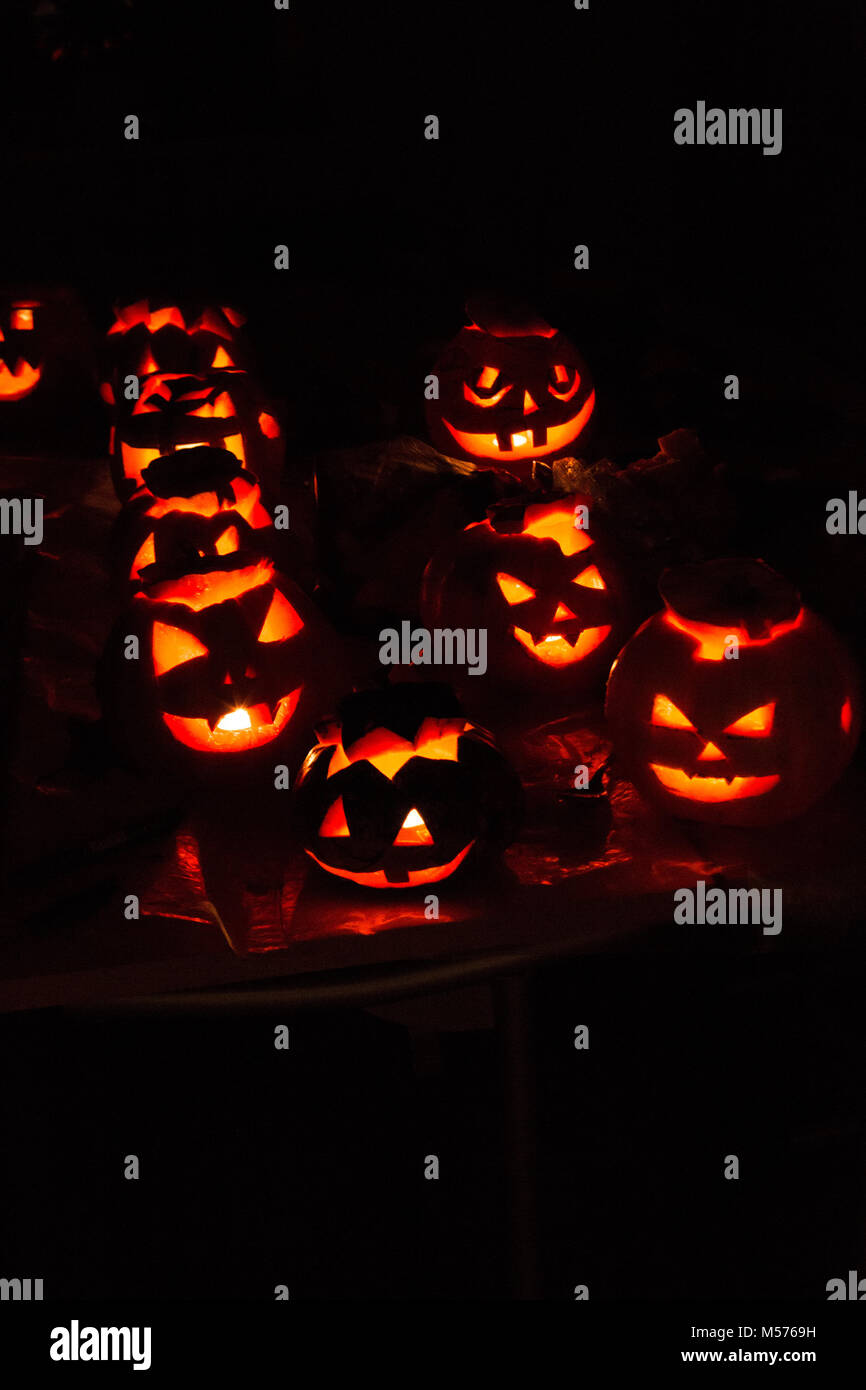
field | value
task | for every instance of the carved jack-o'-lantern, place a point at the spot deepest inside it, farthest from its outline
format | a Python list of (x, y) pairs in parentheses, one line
[(174, 412), (187, 339), (535, 576), (20, 348), (511, 389), (192, 503), (734, 705), (230, 661), (401, 790)]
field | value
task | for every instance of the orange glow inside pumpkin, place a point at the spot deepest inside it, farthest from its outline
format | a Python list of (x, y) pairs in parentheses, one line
[(198, 591), (238, 731), (514, 590), (758, 723), (379, 879), (388, 752), (228, 542), (845, 717), (554, 650), (710, 638), (487, 445), (590, 578), (698, 788), (666, 714), (131, 315), (172, 646), (413, 831), (555, 522), (268, 425), (561, 375), (281, 620), (20, 382), (334, 821)]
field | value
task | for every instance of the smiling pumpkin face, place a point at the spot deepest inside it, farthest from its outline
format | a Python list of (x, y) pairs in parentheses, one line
[(20, 348), (511, 389), (541, 584), (233, 660), (402, 789), (749, 740)]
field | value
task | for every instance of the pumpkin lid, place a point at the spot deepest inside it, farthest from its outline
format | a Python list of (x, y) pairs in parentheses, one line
[(402, 708), (731, 593), (203, 468), (506, 317)]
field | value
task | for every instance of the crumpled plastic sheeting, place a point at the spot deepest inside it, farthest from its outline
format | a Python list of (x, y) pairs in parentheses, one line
[(255, 881)]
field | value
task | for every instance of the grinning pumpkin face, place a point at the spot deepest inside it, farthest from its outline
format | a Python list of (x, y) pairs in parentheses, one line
[(735, 741), (175, 412), (233, 658), (543, 588), (187, 339), (511, 389), (401, 790), (191, 504), (20, 348)]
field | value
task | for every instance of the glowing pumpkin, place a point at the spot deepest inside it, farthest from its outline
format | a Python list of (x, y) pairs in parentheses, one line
[(185, 338), (192, 503), (180, 412), (233, 663), (21, 348), (401, 790), (511, 389), (542, 586), (749, 739)]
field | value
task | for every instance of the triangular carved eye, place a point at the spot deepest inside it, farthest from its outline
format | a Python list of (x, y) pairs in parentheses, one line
[(228, 542), (334, 822), (281, 620), (172, 646), (590, 578), (758, 723), (514, 590), (666, 714), (413, 831)]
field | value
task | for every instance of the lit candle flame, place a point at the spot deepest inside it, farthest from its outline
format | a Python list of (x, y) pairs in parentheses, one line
[(235, 720)]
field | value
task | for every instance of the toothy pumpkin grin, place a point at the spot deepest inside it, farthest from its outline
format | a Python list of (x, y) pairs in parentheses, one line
[(698, 788), (521, 444), (562, 648), (238, 730), (20, 382), (511, 389)]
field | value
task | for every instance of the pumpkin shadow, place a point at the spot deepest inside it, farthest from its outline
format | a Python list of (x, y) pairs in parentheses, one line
[(480, 891)]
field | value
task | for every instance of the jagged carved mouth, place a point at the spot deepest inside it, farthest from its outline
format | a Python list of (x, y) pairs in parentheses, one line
[(698, 788), (237, 730), (14, 385), (561, 649), (532, 442)]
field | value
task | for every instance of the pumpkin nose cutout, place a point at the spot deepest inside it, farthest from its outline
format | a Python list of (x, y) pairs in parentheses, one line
[(528, 404), (227, 679), (710, 751), (413, 831), (562, 614)]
